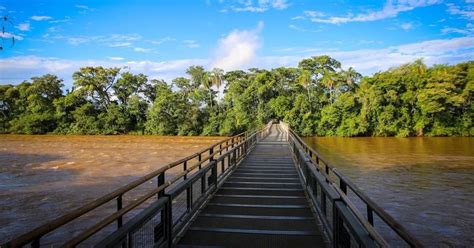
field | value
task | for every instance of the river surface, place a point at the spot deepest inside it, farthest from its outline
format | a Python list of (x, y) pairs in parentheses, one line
[(427, 184), (43, 177)]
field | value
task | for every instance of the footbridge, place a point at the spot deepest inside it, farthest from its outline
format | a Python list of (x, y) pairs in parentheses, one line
[(265, 188)]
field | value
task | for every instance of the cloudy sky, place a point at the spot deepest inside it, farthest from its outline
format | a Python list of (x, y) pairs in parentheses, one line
[(163, 38)]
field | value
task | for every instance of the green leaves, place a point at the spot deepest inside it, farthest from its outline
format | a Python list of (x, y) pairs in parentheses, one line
[(317, 98)]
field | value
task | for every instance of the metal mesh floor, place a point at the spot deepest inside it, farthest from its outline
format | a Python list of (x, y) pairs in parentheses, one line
[(262, 204)]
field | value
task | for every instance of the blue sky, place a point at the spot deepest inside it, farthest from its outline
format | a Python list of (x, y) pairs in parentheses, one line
[(163, 38)]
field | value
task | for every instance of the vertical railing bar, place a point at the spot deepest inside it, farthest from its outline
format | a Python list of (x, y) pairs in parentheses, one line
[(223, 165), (370, 215), (323, 202), (343, 186), (119, 206), (36, 243), (185, 167), (160, 181), (189, 197), (199, 160)]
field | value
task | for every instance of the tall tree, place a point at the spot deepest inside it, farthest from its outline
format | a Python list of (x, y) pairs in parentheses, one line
[(96, 83)]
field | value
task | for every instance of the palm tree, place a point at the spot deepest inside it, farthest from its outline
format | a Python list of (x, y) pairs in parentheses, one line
[(213, 78), (352, 77), (329, 80), (305, 80), (217, 77), (197, 74), (207, 83)]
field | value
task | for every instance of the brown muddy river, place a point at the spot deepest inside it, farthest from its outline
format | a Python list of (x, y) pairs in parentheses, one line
[(43, 177), (427, 184)]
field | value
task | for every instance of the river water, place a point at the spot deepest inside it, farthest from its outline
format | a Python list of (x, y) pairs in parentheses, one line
[(43, 177), (427, 184)]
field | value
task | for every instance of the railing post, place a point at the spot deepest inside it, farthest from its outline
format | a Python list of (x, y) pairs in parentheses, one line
[(336, 225), (234, 156), (245, 146), (211, 155), (214, 174), (343, 186), (213, 163), (189, 197), (323, 203), (199, 160), (370, 215), (168, 221), (203, 178), (36, 243), (223, 165), (119, 206), (161, 181), (185, 167)]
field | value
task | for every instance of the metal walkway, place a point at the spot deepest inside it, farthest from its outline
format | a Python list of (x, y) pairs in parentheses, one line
[(261, 204)]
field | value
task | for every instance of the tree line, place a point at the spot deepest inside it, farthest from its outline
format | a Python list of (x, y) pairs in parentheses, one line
[(316, 98)]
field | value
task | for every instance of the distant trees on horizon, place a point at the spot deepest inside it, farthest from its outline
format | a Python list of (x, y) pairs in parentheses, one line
[(316, 98)]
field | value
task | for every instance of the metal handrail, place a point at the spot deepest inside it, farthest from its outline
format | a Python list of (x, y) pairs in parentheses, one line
[(341, 187), (35, 235)]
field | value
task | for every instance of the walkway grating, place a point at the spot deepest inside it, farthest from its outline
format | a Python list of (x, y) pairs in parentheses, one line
[(262, 204)]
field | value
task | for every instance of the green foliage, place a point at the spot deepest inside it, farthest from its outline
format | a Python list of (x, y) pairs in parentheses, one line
[(316, 98), (29, 106)]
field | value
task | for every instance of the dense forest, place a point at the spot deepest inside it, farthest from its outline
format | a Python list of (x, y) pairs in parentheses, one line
[(316, 98)]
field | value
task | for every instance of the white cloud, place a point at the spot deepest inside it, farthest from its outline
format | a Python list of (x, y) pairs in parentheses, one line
[(464, 31), (299, 50), (21, 68), (78, 40), (391, 9), (120, 44), (114, 40), (368, 61), (41, 18), (79, 6), (258, 6), (161, 41), (23, 26), (407, 26), (466, 12), (238, 49), (66, 19), (8, 35), (191, 43), (313, 14), (83, 8), (280, 4), (297, 28), (54, 29), (116, 58), (141, 49)]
